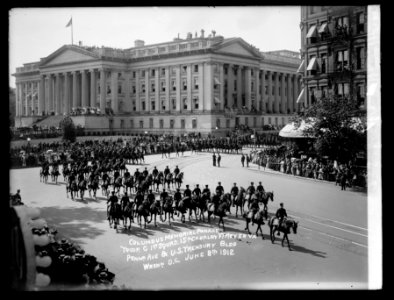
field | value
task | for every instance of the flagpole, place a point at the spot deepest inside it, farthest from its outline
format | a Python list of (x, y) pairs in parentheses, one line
[(72, 34)]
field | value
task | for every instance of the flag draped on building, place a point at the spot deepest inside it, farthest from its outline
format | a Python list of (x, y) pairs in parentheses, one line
[(70, 22)]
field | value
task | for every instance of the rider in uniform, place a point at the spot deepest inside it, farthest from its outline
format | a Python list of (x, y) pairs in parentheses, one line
[(281, 214), (145, 172), (234, 193), (216, 200), (139, 197), (155, 172), (260, 188), (166, 171), (197, 191), (177, 198), (207, 192), (136, 174), (125, 200), (187, 193), (112, 200), (151, 197), (254, 208), (163, 198), (251, 189), (219, 189)]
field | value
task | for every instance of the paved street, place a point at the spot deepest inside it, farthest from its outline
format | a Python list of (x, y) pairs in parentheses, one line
[(329, 249)]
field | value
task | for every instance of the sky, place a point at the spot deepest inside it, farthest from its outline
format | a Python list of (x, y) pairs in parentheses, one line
[(35, 33)]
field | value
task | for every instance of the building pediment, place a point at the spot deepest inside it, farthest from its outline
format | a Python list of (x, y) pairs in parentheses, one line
[(237, 47), (68, 54)]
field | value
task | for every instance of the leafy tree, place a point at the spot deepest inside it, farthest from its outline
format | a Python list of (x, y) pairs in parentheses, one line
[(338, 127), (68, 127)]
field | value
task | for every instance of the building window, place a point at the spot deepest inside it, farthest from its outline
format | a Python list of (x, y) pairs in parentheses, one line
[(195, 79), (342, 89), (141, 124), (119, 89), (195, 102), (143, 104), (227, 123), (142, 73), (121, 124), (184, 84), (184, 68), (283, 121), (163, 71), (143, 87), (108, 89), (194, 123), (173, 101), (262, 122), (235, 85), (342, 25), (151, 123), (360, 23), (153, 105), (184, 101), (273, 90), (172, 122), (133, 89), (312, 95), (163, 86), (279, 91), (182, 123), (153, 87), (217, 123), (254, 121), (323, 65), (161, 123), (163, 104), (266, 90), (134, 106), (276, 121), (361, 94), (133, 74), (251, 72), (173, 83), (342, 60), (153, 72), (131, 123), (252, 86), (269, 120), (173, 70), (246, 121), (225, 69), (360, 56), (195, 68)]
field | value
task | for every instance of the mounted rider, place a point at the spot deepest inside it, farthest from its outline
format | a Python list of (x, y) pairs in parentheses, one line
[(254, 208), (112, 201), (176, 171), (260, 188), (234, 192), (155, 172), (187, 193), (207, 192), (177, 197), (124, 201), (197, 191), (151, 197), (251, 189), (281, 214), (145, 172), (166, 171), (137, 174), (219, 189)]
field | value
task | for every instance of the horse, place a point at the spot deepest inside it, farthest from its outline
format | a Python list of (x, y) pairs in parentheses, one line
[(93, 185), (82, 187), (168, 208), (263, 198), (66, 172), (159, 179), (127, 213), (143, 211), (155, 208), (128, 183), (118, 184), (73, 189), (183, 206), (221, 212), (227, 198), (104, 187), (258, 218), (178, 179), (239, 201), (114, 213), (169, 180), (285, 227), (55, 174), (202, 205), (122, 167)]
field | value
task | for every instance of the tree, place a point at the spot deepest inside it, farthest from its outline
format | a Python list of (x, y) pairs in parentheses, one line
[(68, 127), (338, 127), (12, 106)]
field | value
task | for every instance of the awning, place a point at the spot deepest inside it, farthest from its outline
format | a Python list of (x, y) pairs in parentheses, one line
[(311, 32), (217, 81), (301, 67), (301, 97), (323, 28), (293, 131), (312, 64), (217, 100)]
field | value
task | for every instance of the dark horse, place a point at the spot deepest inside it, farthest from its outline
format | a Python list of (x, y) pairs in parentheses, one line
[(114, 213), (143, 211), (178, 180), (221, 212), (168, 208), (285, 228), (263, 198), (155, 209), (258, 218), (127, 213), (239, 201)]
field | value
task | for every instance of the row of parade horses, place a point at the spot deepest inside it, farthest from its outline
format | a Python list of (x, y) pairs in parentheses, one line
[(199, 205)]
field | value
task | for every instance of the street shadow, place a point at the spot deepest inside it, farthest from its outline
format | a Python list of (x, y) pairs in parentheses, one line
[(305, 250), (136, 231), (72, 222)]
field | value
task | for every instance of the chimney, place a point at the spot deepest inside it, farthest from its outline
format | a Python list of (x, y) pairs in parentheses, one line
[(202, 33), (139, 43), (189, 36), (80, 43), (213, 33)]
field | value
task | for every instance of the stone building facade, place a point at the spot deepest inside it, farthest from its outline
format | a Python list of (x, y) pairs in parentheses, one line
[(197, 84), (334, 53)]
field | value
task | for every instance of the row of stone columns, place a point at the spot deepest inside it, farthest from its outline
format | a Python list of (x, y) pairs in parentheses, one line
[(27, 95)]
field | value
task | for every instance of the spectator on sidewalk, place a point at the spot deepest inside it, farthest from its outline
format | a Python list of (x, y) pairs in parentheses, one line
[(243, 160), (219, 159), (247, 161), (214, 160)]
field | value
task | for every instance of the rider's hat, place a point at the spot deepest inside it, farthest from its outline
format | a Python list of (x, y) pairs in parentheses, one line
[(187, 185), (219, 182), (206, 185), (252, 182), (196, 184), (281, 204), (259, 182), (178, 189)]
